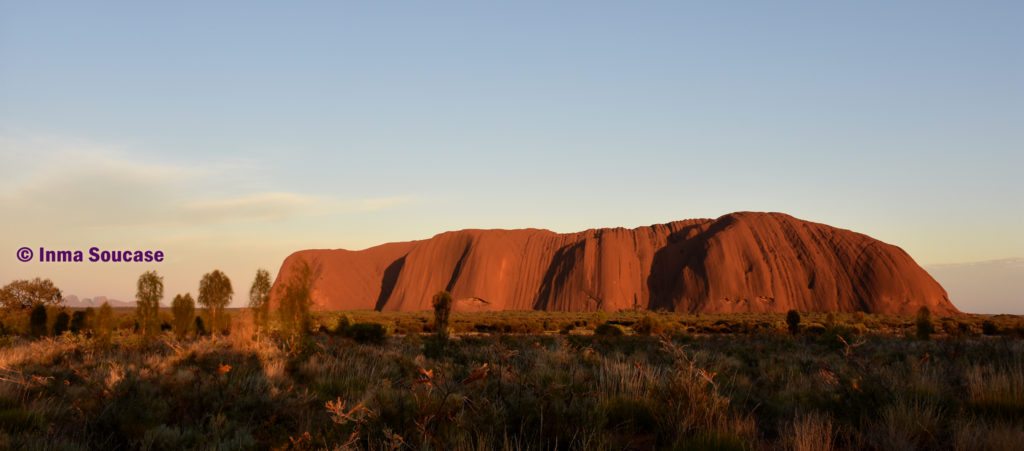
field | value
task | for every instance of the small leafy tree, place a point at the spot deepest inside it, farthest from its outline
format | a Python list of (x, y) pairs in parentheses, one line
[(37, 321), (104, 323), (62, 323), (80, 321), (925, 328), (259, 299), (184, 309), (297, 298), (149, 292), (793, 321), (24, 294), (215, 293), (442, 312)]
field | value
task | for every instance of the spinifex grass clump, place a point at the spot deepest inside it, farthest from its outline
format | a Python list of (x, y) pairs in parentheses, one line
[(442, 303), (436, 345)]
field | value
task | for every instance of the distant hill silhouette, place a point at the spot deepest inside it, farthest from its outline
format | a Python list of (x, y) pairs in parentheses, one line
[(96, 301), (995, 286), (740, 262)]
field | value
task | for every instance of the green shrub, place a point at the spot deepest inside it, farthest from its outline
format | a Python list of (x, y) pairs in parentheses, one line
[(949, 326), (963, 328), (609, 330), (62, 323), (649, 325), (793, 321), (486, 328), (79, 321), (37, 320), (371, 333), (815, 329), (925, 328), (723, 327), (343, 325), (830, 320), (989, 328), (549, 325), (528, 327)]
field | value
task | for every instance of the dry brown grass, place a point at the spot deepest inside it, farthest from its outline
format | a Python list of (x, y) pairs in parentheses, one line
[(980, 435), (514, 391), (997, 388), (812, 432)]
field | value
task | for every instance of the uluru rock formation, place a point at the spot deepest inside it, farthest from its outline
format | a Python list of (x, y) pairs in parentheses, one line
[(740, 262)]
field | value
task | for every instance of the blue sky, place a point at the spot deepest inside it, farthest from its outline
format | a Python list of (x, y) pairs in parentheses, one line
[(231, 133)]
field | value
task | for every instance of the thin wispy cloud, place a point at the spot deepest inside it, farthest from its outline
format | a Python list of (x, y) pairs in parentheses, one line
[(381, 203), (72, 182), (38, 160), (260, 206), (282, 205)]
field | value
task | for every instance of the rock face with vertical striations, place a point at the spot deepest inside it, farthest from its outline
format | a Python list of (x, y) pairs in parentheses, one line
[(740, 262)]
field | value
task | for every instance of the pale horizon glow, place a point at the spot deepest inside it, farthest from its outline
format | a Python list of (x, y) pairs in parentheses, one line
[(229, 135)]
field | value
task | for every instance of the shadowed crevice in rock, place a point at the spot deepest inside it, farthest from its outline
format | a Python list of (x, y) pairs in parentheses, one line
[(458, 268), (679, 278), (558, 272), (388, 281)]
